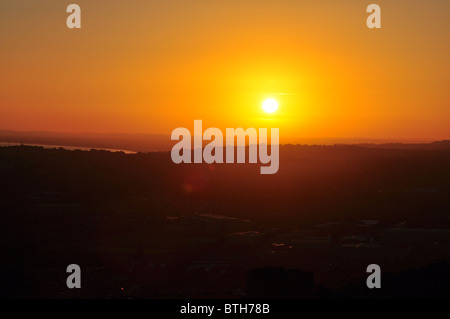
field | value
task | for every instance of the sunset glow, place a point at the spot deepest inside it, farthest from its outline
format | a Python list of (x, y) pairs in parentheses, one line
[(154, 66)]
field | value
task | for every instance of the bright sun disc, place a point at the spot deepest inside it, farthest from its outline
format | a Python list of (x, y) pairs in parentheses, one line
[(270, 105)]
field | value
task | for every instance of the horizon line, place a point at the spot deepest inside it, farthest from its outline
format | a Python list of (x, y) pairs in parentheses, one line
[(357, 140)]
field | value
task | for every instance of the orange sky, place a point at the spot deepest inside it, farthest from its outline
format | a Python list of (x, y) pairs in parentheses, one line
[(152, 66)]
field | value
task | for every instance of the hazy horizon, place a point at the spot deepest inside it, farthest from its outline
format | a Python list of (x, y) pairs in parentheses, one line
[(134, 142), (283, 140)]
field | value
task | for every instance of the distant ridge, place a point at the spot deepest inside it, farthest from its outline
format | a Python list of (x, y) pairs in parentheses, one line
[(131, 142), (436, 145), (162, 142)]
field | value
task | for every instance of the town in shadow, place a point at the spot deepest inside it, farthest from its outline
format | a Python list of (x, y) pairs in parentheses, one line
[(140, 226)]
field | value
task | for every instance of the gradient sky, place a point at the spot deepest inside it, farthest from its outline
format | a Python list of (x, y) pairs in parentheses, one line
[(152, 66)]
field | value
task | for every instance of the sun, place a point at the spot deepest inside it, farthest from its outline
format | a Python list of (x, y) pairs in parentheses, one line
[(270, 105)]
